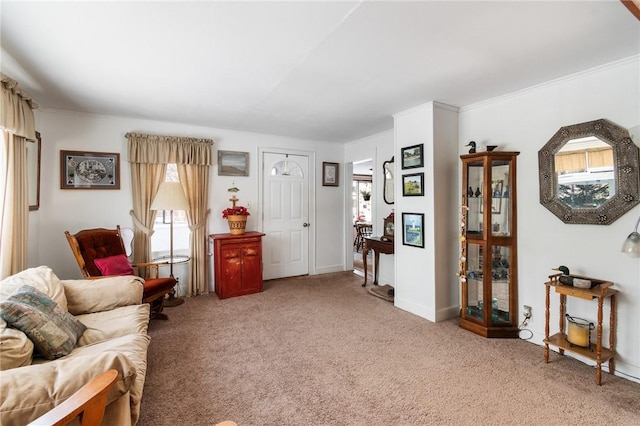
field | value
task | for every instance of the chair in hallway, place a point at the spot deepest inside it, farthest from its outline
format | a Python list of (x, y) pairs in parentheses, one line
[(363, 230)]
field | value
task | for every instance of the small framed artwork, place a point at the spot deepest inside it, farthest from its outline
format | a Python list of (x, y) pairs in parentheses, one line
[(89, 170), (413, 185), (233, 163), (330, 174), (413, 229), (412, 157)]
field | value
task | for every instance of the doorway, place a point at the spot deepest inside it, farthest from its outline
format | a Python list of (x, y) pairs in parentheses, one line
[(362, 212)]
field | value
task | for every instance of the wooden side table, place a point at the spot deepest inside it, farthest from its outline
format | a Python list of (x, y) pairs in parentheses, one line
[(378, 246), (595, 351), (174, 298)]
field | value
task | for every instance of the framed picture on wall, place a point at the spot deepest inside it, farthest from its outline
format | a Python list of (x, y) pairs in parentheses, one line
[(89, 170), (233, 163), (413, 229), (330, 174), (412, 157), (413, 185)]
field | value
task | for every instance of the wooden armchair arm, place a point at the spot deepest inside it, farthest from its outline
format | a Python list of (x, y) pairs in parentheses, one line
[(152, 266), (88, 402)]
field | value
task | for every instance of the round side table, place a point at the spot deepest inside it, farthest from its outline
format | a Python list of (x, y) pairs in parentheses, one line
[(173, 300)]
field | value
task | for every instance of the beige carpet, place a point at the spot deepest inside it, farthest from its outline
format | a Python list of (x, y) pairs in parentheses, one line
[(321, 351)]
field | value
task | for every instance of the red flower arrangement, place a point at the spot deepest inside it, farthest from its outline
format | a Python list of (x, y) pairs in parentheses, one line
[(236, 210)]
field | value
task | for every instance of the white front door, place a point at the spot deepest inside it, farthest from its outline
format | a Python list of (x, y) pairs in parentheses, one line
[(285, 207)]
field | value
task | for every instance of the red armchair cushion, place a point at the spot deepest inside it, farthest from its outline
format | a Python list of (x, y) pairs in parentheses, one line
[(158, 287), (114, 265)]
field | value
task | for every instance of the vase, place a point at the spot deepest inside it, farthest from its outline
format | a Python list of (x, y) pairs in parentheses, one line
[(237, 224)]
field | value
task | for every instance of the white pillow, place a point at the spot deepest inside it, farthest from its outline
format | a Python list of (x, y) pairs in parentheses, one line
[(41, 278), (16, 350)]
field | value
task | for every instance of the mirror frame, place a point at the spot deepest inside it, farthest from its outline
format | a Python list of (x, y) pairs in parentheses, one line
[(626, 172), (385, 196)]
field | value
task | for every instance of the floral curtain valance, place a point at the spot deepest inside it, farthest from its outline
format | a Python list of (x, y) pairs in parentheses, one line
[(16, 114), (154, 149)]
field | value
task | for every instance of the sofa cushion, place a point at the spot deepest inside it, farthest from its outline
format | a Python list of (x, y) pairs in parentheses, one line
[(134, 347), (42, 278), (29, 392), (16, 349), (132, 319), (103, 294), (53, 331), (114, 265)]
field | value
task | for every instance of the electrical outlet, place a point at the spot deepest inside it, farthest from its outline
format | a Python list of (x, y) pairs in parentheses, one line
[(527, 311)]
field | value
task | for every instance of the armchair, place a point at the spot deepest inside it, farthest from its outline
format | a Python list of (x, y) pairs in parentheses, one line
[(105, 245)]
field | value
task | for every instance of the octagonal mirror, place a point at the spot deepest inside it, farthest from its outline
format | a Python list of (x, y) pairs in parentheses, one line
[(589, 173)]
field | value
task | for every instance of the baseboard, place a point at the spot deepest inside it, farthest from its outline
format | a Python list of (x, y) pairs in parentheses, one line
[(330, 269), (413, 308), (448, 313)]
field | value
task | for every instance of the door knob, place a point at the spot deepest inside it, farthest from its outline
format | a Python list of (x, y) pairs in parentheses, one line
[(306, 224)]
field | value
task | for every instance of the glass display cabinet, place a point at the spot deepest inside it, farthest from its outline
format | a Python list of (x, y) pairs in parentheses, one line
[(488, 253)]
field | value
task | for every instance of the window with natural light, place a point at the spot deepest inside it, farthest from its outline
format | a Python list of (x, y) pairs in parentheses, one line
[(160, 240)]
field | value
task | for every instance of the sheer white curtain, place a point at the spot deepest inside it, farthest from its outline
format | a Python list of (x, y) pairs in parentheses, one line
[(17, 124), (149, 156)]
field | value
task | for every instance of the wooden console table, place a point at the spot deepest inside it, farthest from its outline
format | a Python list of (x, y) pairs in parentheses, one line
[(595, 352), (378, 246)]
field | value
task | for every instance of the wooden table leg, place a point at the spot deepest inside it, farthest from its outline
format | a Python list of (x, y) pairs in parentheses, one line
[(563, 310), (599, 342), (365, 251), (376, 267), (546, 325), (612, 332)]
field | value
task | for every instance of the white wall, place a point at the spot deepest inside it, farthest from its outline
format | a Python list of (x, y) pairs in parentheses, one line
[(425, 277), (524, 122), (379, 148), (73, 210), (446, 223)]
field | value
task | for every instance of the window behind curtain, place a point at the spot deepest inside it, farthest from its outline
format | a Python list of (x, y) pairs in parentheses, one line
[(160, 238)]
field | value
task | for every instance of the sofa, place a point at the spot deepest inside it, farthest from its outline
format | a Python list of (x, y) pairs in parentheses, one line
[(42, 363)]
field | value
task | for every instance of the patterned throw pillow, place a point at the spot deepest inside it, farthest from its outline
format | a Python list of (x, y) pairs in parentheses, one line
[(53, 331)]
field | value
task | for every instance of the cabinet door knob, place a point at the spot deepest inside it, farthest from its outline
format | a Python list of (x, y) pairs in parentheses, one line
[(306, 224)]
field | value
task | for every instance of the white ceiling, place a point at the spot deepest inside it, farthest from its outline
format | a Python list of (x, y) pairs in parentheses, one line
[(333, 71)]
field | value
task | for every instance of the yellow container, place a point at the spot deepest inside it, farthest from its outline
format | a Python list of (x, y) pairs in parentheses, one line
[(579, 331), (237, 224)]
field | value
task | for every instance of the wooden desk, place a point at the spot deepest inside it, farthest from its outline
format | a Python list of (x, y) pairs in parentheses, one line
[(378, 246)]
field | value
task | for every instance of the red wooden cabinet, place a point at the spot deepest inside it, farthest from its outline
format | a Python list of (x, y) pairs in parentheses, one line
[(237, 264)]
